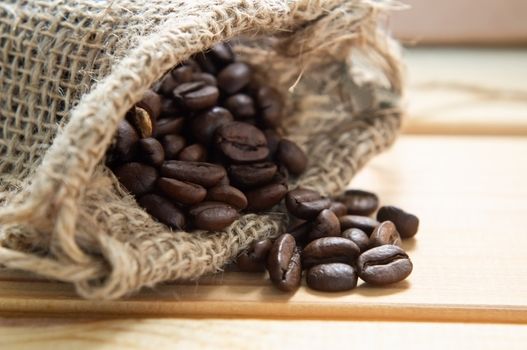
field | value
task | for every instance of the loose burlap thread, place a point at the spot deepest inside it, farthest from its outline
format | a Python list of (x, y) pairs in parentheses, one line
[(69, 71)]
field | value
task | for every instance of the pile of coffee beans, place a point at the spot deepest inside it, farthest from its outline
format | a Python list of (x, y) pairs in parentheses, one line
[(336, 242), (203, 145)]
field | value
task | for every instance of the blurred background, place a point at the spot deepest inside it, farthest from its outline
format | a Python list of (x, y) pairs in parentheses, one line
[(467, 66)]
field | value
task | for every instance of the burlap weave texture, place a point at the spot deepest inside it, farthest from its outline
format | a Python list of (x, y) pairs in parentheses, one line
[(69, 70)]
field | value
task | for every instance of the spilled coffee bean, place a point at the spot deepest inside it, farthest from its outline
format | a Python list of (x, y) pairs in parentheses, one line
[(407, 224)]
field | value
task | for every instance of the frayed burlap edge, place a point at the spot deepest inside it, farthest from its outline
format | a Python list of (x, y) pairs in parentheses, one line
[(72, 222)]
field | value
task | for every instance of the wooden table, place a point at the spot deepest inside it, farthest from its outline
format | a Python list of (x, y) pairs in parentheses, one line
[(460, 167)]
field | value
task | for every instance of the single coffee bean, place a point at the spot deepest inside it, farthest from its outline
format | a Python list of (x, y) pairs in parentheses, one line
[(172, 144), (338, 208), (193, 153), (241, 106), (251, 175), (206, 78), (255, 258), (205, 124), (213, 216), (306, 204), (182, 74), (326, 225), (265, 197), (184, 192), (407, 224), (270, 105), (273, 139), (327, 250), (125, 142), (163, 210), (151, 102), (227, 194), (197, 95), (365, 223), (359, 202), (292, 156), (358, 237), (334, 277), (221, 54), (283, 264), (141, 120), (136, 177), (151, 151), (385, 233), (201, 173), (234, 77), (168, 126), (242, 142), (384, 265)]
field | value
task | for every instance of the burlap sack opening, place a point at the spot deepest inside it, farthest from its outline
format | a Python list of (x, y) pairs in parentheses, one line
[(69, 70)]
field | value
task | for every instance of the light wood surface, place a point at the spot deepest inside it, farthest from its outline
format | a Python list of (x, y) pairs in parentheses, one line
[(256, 334), (469, 256), (466, 91)]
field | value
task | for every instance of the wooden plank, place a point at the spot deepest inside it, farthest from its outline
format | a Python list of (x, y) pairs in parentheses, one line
[(255, 334), (466, 91), (469, 256)]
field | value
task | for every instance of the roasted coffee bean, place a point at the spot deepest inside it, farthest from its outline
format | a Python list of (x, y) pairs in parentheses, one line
[(265, 197), (338, 208), (385, 233), (384, 265), (168, 126), (221, 54), (193, 153), (255, 258), (365, 223), (273, 139), (213, 216), (151, 102), (242, 142), (197, 95), (359, 202), (205, 63), (234, 77), (151, 151), (283, 264), (306, 204), (182, 74), (281, 176), (172, 144), (270, 105), (292, 156), (325, 225), (184, 192), (407, 224), (358, 237), (125, 142), (206, 78), (136, 177), (163, 210), (200, 173), (335, 277), (241, 106), (205, 124), (141, 121), (168, 84), (251, 175), (327, 250), (227, 194)]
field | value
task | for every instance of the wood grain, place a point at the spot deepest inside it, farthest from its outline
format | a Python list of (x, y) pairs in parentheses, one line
[(466, 91), (257, 334), (469, 257)]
